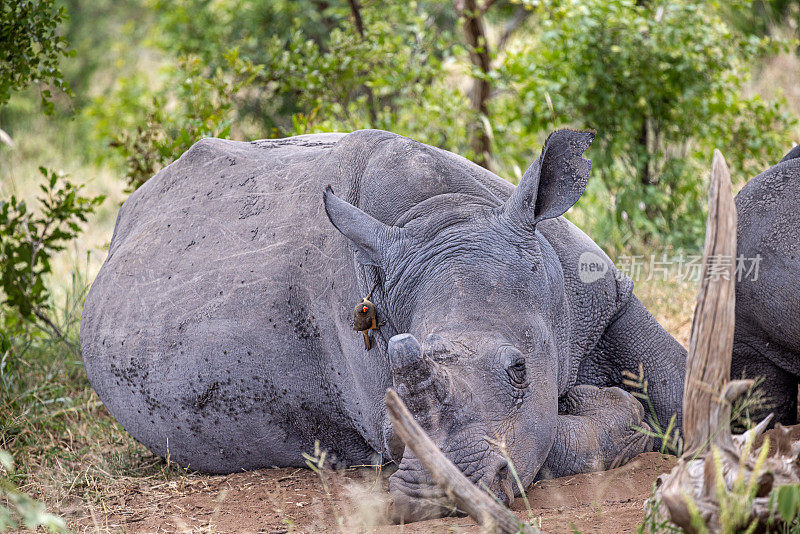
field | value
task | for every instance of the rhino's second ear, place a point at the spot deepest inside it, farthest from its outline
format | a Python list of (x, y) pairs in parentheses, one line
[(371, 237), (554, 182)]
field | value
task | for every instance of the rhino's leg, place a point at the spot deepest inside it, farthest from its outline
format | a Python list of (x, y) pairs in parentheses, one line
[(633, 339), (599, 428), (753, 358)]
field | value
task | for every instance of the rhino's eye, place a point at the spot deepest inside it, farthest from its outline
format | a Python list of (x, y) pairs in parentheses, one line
[(516, 372)]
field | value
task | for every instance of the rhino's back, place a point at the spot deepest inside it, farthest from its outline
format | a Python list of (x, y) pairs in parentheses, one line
[(209, 326), (767, 299)]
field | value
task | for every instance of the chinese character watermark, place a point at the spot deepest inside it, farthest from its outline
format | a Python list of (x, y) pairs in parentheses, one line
[(682, 268)]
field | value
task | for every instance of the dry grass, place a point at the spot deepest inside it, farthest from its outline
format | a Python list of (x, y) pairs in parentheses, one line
[(68, 450), (779, 77), (672, 304)]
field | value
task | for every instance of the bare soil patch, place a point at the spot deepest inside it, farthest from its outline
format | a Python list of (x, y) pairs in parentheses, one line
[(281, 501)]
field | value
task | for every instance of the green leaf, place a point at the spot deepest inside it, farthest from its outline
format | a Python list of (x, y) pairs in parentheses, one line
[(788, 500)]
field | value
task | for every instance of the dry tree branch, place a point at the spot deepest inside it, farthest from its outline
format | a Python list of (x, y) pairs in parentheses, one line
[(487, 512), (708, 365), (487, 5), (42, 316)]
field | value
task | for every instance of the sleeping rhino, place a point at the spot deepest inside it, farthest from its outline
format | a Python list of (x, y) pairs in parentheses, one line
[(219, 331)]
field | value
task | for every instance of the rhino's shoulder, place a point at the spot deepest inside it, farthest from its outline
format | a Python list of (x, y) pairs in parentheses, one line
[(767, 216), (575, 248)]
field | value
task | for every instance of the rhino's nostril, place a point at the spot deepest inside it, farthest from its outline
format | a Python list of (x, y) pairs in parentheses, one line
[(508, 488), (502, 472), (503, 479)]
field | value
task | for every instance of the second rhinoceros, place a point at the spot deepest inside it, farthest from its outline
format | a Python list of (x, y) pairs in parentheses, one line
[(766, 342), (219, 330)]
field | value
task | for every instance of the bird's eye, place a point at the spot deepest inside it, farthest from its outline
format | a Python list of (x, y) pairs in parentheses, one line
[(517, 372), (365, 309)]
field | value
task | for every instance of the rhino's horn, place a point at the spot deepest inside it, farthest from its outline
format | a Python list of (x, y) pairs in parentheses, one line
[(416, 377)]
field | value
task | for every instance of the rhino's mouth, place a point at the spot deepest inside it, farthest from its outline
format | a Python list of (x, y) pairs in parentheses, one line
[(417, 501)]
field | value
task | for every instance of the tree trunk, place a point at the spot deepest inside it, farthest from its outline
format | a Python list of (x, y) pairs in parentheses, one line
[(355, 7), (478, 46), (643, 141)]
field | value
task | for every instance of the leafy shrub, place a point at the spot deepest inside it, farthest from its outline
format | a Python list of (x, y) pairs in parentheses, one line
[(787, 501), (28, 241), (326, 65), (388, 72), (200, 106), (23, 509), (663, 83), (30, 48)]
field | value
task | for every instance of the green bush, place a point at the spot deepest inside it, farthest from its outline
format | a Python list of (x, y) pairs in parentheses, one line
[(388, 73), (194, 105), (31, 48), (663, 83), (320, 63), (28, 241), (24, 510)]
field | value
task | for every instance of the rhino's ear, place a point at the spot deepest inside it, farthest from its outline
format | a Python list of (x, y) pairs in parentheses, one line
[(554, 182), (371, 237)]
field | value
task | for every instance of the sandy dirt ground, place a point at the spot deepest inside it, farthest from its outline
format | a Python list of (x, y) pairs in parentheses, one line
[(278, 501)]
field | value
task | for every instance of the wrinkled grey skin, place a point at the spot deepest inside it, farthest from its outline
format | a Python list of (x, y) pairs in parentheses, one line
[(766, 342), (219, 329)]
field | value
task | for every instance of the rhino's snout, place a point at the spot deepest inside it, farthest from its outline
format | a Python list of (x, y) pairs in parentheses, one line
[(416, 497), (407, 509), (437, 404)]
